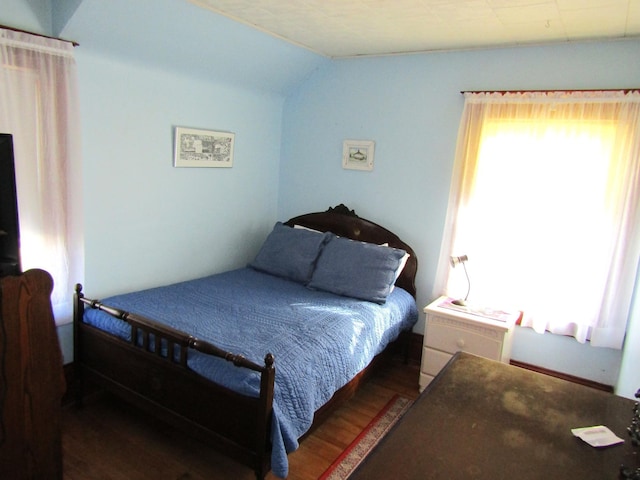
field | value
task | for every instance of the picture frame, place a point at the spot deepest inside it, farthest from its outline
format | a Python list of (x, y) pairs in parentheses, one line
[(203, 148), (358, 154)]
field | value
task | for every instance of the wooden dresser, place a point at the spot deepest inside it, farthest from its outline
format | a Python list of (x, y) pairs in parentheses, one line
[(31, 379)]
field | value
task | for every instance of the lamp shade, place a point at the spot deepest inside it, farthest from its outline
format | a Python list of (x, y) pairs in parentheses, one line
[(458, 260)]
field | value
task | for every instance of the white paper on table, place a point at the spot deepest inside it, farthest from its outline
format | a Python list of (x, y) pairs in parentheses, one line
[(598, 436)]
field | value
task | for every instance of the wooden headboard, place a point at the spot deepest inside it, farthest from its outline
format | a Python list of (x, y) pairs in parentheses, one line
[(345, 223)]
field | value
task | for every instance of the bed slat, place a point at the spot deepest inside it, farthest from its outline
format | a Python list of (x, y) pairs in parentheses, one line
[(142, 329)]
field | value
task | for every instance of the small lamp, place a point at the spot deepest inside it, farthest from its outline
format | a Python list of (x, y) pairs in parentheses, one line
[(461, 260)]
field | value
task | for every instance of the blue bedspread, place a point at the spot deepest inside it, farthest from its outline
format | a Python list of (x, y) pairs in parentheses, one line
[(319, 340)]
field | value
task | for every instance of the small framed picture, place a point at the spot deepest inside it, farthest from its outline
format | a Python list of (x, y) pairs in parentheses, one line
[(203, 148), (358, 154)]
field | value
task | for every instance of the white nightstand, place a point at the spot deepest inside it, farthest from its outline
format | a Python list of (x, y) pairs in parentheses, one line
[(449, 329)]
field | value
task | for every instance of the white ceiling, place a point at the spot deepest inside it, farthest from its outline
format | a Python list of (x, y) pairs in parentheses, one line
[(340, 28)]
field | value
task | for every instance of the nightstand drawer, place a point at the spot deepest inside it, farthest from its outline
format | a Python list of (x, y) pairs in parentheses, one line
[(451, 339), (433, 361)]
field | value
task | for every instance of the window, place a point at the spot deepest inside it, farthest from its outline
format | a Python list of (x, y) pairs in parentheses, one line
[(38, 106), (544, 202)]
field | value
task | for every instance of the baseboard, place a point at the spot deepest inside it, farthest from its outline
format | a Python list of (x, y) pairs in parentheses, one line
[(563, 376)]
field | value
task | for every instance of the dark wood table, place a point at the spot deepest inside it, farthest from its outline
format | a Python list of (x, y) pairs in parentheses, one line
[(484, 420)]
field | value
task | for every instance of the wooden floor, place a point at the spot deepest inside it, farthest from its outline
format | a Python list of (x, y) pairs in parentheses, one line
[(109, 440)]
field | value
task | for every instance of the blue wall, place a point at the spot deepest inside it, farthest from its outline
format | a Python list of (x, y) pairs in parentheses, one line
[(30, 15), (148, 222), (410, 106), (146, 67), (149, 65)]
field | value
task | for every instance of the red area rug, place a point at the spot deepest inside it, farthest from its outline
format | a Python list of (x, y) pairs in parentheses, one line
[(355, 453)]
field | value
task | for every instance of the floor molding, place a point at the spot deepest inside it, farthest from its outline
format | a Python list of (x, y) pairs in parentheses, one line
[(563, 376)]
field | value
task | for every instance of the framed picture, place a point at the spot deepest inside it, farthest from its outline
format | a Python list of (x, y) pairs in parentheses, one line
[(358, 154), (203, 148)]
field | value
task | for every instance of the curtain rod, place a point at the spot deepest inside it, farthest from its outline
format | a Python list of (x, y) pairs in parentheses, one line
[(13, 29), (502, 92)]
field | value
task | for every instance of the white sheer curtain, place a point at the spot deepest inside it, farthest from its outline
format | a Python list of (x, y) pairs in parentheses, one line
[(545, 201), (39, 107)]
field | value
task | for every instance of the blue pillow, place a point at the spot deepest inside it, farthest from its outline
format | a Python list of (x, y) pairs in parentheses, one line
[(290, 253), (356, 269)]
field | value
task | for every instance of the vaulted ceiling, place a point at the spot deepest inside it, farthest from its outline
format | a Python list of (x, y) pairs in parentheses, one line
[(339, 28)]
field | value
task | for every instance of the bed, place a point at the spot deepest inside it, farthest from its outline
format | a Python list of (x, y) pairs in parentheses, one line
[(252, 359)]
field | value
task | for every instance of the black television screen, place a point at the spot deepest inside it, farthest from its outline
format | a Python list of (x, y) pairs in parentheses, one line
[(9, 227)]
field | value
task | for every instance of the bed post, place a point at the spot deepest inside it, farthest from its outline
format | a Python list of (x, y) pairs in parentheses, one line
[(263, 429), (78, 313)]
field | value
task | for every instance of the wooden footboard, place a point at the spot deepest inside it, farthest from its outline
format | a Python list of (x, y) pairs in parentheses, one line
[(151, 372)]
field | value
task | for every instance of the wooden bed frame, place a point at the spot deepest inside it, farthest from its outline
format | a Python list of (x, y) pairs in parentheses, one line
[(159, 381)]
